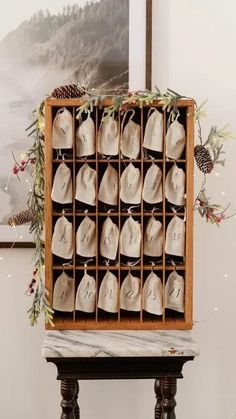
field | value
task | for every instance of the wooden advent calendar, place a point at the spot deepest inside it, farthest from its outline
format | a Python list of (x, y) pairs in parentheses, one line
[(75, 212)]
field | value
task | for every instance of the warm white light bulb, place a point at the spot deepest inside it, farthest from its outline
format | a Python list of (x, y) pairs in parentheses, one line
[(6, 188), (217, 174), (223, 193), (8, 275), (1, 257), (216, 309), (226, 275), (21, 237)]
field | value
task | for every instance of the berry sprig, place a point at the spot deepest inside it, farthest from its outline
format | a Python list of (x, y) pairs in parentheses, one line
[(21, 166), (31, 286)]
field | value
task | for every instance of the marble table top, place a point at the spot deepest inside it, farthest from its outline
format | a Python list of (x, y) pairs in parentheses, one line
[(135, 343)]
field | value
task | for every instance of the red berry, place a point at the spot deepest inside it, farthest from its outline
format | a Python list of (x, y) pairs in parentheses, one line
[(30, 285), (31, 290), (22, 169), (33, 281), (23, 162)]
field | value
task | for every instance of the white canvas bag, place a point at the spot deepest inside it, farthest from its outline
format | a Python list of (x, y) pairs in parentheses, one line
[(108, 137), (152, 296), (153, 238), (86, 238), (63, 293), (175, 186), (108, 298), (62, 185), (152, 187), (62, 130), (130, 293), (108, 189), (130, 238), (86, 294), (131, 137), (174, 292), (175, 237), (153, 137), (109, 239), (85, 138), (86, 185), (175, 140), (130, 185), (62, 240)]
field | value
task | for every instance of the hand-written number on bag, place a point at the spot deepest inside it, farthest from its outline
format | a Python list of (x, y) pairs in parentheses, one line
[(148, 238), (85, 238), (84, 138), (152, 293), (176, 236), (63, 185), (88, 295), (109, 294), (129, 294), (107, 241), (178, 292), (153, 187), (133, 239)]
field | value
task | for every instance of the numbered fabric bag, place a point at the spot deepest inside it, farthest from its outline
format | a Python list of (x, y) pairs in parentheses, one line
[(175, 186), (152, 296), (62, 185), (174, 292), (63, 293), (109, 239), (131, 185), (130, 137), (86, 238), (130, 293), (152, 187), (85, 138), (86, 294), (108, 189), (130, 238), (153, 238), (86, 185), (175, 237), (62, 130), (108, 299), (62, 239), (153, 136), (175, 140), (108, 137)]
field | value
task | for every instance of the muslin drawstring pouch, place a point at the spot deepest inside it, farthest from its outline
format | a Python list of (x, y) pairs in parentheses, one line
[(130, 137), (175, 237), (62, 239), (131, 185), (152, 295), (109, 239), (62, 130), (85, 138), (175, 186), (152, 187), (86, 238), (108, 137), (108, 189), (174, 292), (130, 293), (63, 293), (153, 238), (175, 140), (86, 294), (86, 185), (108, 299), (62, 185), (153, 136), (130, 238)]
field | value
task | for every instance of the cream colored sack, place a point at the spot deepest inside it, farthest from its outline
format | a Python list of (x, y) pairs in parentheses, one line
[(85, 138), (130, 293), (62, 240), (130, 238), (62, 185), (174, 293), (108, 137), (153, 137), (109, 239), (108, 189), (86, 294), (130, 185), (131, 138), (62, 131), (152, 296), (108, 298), (63, 293), (86, 185), (153, 238), (86, 238), (152, 187), (175, 140), (175, 237), (175, 186)]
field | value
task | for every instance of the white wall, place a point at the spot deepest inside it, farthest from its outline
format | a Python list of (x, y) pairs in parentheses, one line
[(195, 54)]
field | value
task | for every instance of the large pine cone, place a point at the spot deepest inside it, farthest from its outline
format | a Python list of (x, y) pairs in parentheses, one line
[(22, 217), (203, 159), (69, 91)]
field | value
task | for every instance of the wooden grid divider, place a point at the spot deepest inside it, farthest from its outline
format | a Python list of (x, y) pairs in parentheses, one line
[(74, 220), (119, 214), (164, 217), (142, 221), (96, 213)]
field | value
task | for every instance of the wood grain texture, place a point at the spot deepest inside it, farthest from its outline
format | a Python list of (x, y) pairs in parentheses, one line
[(149, 44)]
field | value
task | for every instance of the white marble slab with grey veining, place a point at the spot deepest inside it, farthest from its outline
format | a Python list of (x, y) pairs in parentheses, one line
[(91, 343)]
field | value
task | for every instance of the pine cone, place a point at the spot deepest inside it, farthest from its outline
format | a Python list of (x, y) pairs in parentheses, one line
[(203, 159), (22, 217), (69, 91)]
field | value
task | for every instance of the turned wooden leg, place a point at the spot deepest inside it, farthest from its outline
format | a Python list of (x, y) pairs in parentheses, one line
[(68, 392), (76, 408), (168, 389), (158, 406)]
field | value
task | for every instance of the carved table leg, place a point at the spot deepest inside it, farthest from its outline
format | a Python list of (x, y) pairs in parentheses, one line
[(76, 408), (158, 392), (168, 389), (68, 392)]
